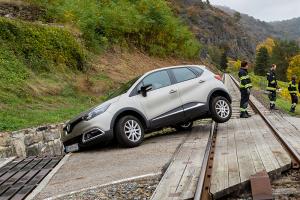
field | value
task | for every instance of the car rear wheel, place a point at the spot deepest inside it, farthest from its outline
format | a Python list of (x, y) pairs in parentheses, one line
[(220, 109), (129, 131), (184, 126)]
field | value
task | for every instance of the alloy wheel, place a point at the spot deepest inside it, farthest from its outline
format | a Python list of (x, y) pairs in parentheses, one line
[(133, 130), (222, 109)]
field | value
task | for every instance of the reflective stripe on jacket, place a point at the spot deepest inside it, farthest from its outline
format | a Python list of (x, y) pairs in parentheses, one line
[(293, 87), (245, 81), (272, 82)]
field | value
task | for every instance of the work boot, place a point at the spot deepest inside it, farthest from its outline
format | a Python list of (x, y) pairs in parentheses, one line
[(248, 114), (292, 110), (273, 107), (243, 115)]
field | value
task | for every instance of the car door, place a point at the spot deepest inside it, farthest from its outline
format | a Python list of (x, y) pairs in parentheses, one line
[(162, 104), (192, 91)]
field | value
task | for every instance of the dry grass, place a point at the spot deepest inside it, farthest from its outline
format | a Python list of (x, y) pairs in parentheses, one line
[(122, 66)]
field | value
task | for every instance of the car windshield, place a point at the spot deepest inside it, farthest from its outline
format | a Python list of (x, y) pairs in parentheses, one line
[(122, 89)]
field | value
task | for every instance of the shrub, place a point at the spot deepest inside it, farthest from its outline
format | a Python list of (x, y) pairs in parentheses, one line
[(42, 48), (149, 25)]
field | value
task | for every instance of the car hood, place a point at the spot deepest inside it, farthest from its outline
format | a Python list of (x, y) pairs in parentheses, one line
[(111, 101)]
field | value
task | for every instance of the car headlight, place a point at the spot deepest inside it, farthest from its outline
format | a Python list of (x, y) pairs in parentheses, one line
[(97, 111)]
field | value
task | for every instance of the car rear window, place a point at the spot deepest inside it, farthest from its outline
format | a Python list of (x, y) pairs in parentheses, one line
[(198, 70), (183, 74)]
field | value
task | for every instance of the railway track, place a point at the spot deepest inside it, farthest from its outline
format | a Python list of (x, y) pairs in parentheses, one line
[(203, 187)]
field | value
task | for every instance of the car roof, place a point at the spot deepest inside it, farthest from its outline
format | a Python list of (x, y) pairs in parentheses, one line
[(172, 67)]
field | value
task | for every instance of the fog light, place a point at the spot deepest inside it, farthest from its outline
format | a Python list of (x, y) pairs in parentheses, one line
[(92, 135)]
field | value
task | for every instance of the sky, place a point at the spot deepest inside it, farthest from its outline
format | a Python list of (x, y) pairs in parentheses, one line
[(266, 10)]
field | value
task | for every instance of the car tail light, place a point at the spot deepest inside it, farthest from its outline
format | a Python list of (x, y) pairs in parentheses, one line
[(218, 77)]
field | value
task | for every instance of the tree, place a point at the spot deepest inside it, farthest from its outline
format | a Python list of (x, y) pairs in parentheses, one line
[(234, 65), (294, 67), (207, 2), (215, 54), (282, 52), (262, 61), (237, 16), (269, 43), (224, 61)]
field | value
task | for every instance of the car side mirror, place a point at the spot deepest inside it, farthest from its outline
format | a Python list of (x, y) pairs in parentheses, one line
[(145, 89)]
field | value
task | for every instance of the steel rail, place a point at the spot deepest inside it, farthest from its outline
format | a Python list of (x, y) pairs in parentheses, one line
[(202, 190)]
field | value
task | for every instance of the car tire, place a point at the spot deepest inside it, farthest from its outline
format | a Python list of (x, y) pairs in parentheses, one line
[(220, 109), (184, 126), (129, 131)]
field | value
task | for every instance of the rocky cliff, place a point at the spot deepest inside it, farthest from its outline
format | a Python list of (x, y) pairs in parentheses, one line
[(213, 26)]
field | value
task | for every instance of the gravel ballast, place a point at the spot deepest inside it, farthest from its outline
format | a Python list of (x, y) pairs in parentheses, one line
[(135, 190)]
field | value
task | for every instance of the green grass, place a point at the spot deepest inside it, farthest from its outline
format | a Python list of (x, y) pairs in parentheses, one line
[(38, 68), (50, 110)]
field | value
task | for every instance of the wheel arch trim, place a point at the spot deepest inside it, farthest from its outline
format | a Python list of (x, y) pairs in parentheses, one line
[(129, 110), (221, 90)]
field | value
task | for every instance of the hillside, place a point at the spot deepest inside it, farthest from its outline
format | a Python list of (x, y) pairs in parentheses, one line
[(57, 60), (256, 28), (290, 28), (61, 57), (214, 27), (286, 29)]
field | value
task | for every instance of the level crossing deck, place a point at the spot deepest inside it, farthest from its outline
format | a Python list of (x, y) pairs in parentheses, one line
[(243, 148)]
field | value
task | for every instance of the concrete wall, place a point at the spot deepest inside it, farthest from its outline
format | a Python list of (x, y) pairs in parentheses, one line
[(40, 141)]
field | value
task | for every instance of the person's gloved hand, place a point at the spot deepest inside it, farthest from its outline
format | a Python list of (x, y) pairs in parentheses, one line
[(248, 90)]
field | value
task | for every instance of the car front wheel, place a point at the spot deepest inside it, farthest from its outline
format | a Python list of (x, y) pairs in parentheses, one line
[(220, 109), (129, 131)]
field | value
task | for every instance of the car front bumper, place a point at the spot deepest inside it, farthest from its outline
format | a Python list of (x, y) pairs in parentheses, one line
[(104, 137)]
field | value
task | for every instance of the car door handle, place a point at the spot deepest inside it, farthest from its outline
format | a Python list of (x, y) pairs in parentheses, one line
[(201, 81), (172, 91)]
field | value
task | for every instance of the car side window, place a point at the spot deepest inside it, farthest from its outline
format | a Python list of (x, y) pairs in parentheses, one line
[(158, 80), (183, 74)]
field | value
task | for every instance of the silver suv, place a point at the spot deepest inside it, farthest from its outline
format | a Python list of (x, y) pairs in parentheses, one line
[(173, 96)]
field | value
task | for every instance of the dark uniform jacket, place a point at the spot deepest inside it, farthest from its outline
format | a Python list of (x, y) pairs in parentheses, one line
[(245, 79), (272, 82), (292, 87)]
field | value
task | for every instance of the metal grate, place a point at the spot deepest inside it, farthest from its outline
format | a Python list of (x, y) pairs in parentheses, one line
[(19, 177)]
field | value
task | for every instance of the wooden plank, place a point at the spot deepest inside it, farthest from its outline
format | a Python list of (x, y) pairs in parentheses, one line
[(276, 148), (266, 154), (257, 162), (173, 175), (233, 166), (287, 131), (188, 183), (217, 179), (246, 166), (180, 179)]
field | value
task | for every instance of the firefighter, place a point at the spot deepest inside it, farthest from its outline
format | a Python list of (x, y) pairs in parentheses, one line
[(245, 86), (293, 92), (272, 86)]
